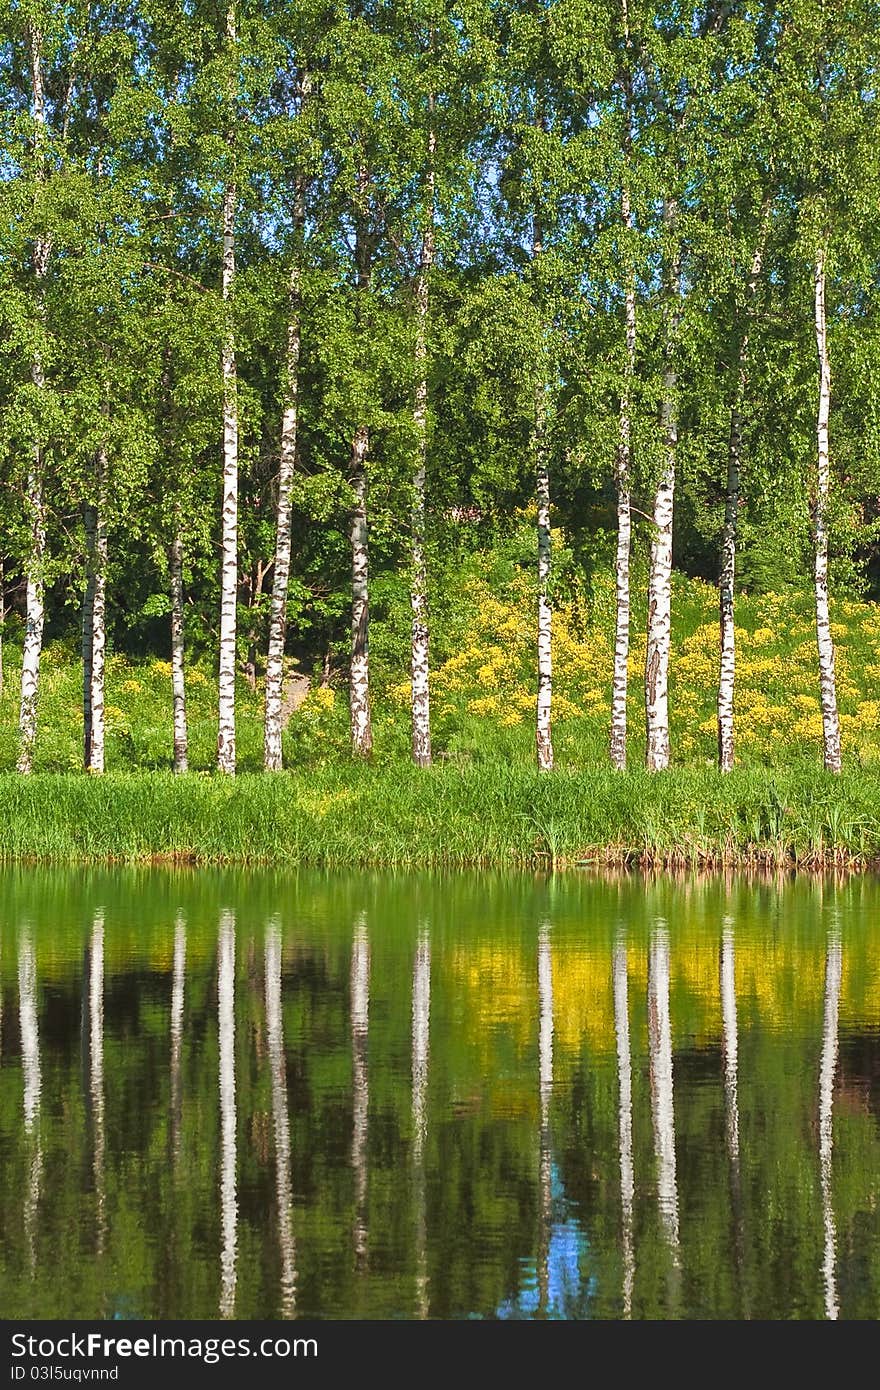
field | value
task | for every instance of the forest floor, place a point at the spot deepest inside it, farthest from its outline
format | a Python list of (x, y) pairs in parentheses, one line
[(491, 815)]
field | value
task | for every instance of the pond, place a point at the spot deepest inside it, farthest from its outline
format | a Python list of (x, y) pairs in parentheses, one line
[(256, 1095)]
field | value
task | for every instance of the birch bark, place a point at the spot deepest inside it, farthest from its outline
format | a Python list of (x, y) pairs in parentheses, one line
[(623, 477), (420, 697), (272, 758), (660, 578), (623, 462), (361, 723), (34, 607), (727, 573), (95, 762), (229, 570), (90, 525), (543, 732), (824, 640), (178, 676)]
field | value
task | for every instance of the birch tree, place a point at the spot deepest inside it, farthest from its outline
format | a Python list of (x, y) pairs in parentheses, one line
[(42, 246), (229, 562)]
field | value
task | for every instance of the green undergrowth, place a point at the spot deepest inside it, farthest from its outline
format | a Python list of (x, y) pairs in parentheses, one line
[(489, 815)]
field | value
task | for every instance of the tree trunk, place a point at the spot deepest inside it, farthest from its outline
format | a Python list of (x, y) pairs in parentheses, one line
[(543, 735), (229, 572), (34, 611), (421, 706), (255, 585), (272, 759), (359, 693), (280, 1118), (825, 642), (727, 571), (660, 578), (624, 521), (361, 724), (90, 523), (178, 680), (99, 625), (662, 1102), (624, 1118), (360, 1013)]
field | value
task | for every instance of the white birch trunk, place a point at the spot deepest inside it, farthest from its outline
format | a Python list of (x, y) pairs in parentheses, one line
[(99, 623), (280, 1118), (624, 1120), (827, 1070), (824, 640), (543, 710), (34, 610), (178, 673), (361, 723), (96, 1074), (272, 757), (420, 697), (90, 525), (662, 1103), (228, 1121), (727, 572), (624, 521), (229, 570), (421, 1032), (660, 577), (360, 1012)]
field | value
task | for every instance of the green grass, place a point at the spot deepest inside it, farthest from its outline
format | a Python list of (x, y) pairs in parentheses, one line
[(488, 815)]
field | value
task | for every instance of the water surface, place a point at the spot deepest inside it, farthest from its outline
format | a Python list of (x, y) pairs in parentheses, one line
[(259, 1095)]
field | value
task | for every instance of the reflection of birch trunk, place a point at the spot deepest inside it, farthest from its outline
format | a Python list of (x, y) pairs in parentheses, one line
[(177, 994), (280, 1118), (729, 1043), (30, 1063), (360, 1006), (421, 1020), (545, 1084), (96, 1072), (729, 1052), (624, 1120), (662, 1109), (228, 1192), (827, 1069)]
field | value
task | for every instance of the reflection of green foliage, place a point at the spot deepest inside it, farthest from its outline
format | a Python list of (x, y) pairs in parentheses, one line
[(748, 1247)]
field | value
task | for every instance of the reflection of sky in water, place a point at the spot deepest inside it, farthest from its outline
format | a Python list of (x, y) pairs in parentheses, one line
[(569, 1292)]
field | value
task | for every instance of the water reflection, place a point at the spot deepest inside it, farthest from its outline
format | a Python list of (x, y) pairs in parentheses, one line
[(827, 1069), (228, 1118), (280, 1119), (446, 1098), (662, 1103), (360, 1010), (31, 1071), (624, 1119), (421, 1032)]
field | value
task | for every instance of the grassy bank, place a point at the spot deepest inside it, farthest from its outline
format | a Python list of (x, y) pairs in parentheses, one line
[(487, 815)]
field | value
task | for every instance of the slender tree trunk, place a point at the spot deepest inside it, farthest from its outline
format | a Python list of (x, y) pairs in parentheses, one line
[(272, 760), (660, 579), (228, 1116), (90, 524), (229, 572), (825, 642), (280, 1118), (543, 734), (260, 570), (827, 1071), (624, 1118), (727, 571), (34, 610), (99, 625), (361, 722), (624, 520), (178, 679), (360, 1013), (421, 706)]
